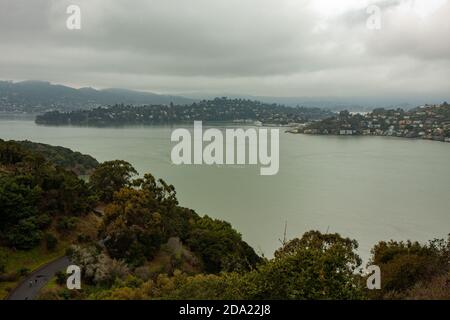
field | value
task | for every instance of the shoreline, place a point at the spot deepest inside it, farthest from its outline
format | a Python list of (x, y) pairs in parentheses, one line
[(369, 135)]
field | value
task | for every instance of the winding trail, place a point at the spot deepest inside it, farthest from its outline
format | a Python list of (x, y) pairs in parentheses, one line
[(29, 288)]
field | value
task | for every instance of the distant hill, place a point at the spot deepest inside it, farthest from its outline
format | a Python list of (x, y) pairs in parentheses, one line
[(39, 96), (335, 103)]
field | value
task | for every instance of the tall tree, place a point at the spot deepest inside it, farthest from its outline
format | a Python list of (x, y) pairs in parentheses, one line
[(110, 177)]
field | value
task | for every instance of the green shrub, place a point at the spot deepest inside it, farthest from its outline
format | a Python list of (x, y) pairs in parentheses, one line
[(43, 221), (66, 224), (2, 262), (409, 265), (61, 278), (23, 271), (220, 247), (25, 235), (51, 241), (83, 238)]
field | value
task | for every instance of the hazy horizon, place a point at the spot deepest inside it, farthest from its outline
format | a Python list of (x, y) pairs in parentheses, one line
[(365, 103), (311, 49)]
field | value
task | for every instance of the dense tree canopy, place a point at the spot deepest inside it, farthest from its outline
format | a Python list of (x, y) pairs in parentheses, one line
[(80, 164), (145, 215), (315, 266), (409, 268), (32, 190), (110, 177)]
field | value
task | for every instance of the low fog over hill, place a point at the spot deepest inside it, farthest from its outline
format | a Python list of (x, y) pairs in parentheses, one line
[(37, 96)]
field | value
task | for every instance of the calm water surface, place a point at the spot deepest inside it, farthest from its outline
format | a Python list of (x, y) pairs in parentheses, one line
[(366, 188)]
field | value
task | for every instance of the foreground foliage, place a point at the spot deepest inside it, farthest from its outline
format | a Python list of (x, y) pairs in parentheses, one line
[(411, 270), (144, 245), (33, 193)]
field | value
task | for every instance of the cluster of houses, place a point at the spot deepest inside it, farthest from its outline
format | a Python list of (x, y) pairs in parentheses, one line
[(427, 122)]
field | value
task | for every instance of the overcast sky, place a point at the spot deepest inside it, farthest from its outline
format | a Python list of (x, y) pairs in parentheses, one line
[(258, 47)]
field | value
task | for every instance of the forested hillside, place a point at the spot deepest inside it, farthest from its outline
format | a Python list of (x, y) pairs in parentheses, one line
[(79, 163)]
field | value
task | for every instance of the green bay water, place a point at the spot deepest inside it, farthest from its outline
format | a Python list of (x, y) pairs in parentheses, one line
[(366, 188)]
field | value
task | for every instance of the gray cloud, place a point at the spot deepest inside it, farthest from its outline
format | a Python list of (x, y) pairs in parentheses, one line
[(259, 47)]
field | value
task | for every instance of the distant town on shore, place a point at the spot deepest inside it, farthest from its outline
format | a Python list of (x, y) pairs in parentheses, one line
[(430, 122)]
